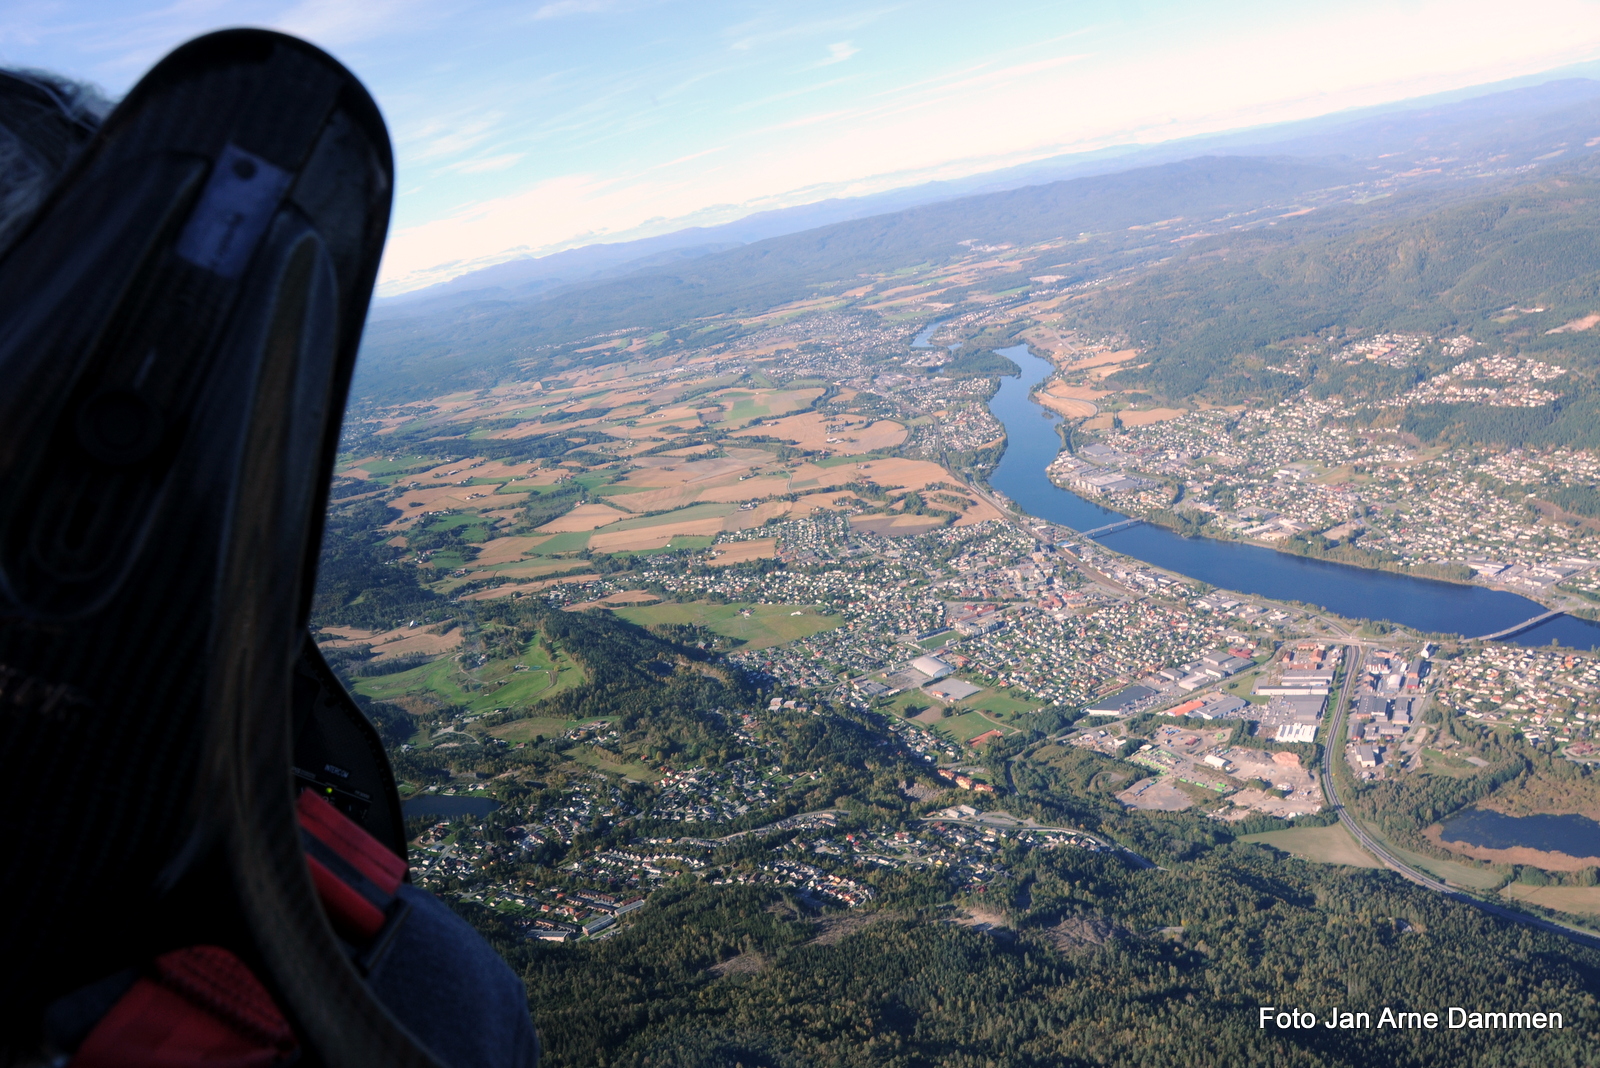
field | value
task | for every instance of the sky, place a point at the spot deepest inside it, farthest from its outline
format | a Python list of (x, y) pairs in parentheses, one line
[(527, 128)]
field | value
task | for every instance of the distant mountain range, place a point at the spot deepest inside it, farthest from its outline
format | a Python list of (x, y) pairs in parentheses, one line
[(1530, 124)]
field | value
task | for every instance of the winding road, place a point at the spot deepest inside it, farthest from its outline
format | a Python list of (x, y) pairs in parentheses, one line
[(1335, 748)]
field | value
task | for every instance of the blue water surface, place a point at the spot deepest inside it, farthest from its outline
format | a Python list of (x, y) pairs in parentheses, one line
[(1032, 442), (1576, 836)]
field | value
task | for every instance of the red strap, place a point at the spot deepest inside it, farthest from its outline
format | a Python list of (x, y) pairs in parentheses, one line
[(345, 837), (349, 911), (201, 1009)]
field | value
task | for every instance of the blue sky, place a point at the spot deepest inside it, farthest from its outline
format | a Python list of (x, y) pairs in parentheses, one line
[(525, 128)]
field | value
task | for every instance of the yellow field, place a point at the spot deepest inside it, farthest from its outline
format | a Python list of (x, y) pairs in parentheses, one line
[(739, 552), (1578, 900), (386, 645), (1151, 415), (1326, 845), (584, 517), (836, 434)]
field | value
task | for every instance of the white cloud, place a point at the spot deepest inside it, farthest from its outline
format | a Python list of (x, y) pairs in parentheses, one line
[(838, 52)]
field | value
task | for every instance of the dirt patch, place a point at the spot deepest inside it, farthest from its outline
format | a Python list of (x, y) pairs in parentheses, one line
[(986, 921), (748, 963), (1517, 855), (739, 552), (1078, 933), (402, 641), (1588, 322), (832, 929), (1156, 795)]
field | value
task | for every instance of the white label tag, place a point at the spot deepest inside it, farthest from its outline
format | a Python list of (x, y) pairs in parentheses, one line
[(233, 212)]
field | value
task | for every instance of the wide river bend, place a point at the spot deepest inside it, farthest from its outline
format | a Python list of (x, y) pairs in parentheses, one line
[(1032, 442)]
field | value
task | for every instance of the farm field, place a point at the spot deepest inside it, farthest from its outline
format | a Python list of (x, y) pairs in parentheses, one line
[(646, 481), (1326, 845), (1578, 900), (766, 625)]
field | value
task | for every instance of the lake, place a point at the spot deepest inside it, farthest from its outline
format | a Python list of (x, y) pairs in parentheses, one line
[(1032, 442), (446, 807), (1576, 836)]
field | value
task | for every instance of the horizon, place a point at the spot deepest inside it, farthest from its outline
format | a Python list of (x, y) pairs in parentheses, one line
[(679, 117)]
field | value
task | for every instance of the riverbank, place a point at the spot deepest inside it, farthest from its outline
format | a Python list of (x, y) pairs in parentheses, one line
[(1433, 573), (1426, 605)]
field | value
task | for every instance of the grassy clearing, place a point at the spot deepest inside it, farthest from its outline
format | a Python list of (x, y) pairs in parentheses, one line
[(1326, 845), (570, 542), (525, 730), (1437, 763), (969, 725), (1577, 900), (938, 641), (1244, 686), (586, 754), (999, 703), (495, 685), (766, 625)]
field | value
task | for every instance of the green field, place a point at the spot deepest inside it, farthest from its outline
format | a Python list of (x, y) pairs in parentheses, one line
[(767, 624), (969, 725), (571, 542), (999, 703), (495, 685), (1437, 763), (1326, 845), (525, 730), (586, 754)]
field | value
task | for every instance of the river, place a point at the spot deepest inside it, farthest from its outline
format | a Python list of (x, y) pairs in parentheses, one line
[(1032, 442)]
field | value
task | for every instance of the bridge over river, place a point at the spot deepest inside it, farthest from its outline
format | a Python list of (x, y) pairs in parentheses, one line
[(1520, 627)]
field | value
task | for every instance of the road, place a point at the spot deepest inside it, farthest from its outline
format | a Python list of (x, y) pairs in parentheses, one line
[(1334, 749)]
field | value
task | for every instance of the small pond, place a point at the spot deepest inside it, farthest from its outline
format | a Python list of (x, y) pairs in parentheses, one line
[(1576, 836)]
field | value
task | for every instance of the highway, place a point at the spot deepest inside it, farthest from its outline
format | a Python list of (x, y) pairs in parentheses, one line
[(1334, 749)]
